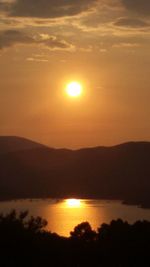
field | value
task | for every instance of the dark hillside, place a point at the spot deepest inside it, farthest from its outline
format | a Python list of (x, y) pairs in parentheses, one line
[(118, 172)]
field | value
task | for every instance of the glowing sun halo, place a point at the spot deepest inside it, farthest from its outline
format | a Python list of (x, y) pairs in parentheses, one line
[(74, 89)]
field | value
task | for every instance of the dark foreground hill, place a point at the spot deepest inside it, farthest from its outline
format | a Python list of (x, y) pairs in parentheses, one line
[(24, 242), (118, 172)]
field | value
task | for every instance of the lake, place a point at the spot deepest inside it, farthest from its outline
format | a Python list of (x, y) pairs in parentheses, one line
[(63, 215)]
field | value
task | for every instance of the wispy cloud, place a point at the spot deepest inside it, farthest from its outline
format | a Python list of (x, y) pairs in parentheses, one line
[(131, 22), (141, 7), (13, 37), (46, 8)]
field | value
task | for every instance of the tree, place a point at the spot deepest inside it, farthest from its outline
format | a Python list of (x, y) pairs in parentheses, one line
[(83, 231)]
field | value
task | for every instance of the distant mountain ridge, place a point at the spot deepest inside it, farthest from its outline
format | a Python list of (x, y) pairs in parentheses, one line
[(14, 143), (29, 169)]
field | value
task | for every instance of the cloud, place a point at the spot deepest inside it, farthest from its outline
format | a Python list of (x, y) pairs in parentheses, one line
[(34, 59), (54, 43), (131, 22), (46, 8), (10, 38), (139, 6), (126, 45)]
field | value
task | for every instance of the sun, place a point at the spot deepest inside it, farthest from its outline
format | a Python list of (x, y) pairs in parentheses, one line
[(74, 89)]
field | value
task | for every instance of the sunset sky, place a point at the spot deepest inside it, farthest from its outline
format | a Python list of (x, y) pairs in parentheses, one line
[(102, 44)]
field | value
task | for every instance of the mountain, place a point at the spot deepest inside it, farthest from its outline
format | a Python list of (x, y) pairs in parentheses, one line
[(32, 170), (13, 143)]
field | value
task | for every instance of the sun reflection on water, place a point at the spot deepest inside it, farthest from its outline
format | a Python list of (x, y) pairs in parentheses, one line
[(73, 203), (64, 214)]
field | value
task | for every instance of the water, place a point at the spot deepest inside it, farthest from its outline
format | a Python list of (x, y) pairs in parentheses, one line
[(64, 215)]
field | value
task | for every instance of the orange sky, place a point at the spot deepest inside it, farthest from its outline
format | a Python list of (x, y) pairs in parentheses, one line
[(104, 44)]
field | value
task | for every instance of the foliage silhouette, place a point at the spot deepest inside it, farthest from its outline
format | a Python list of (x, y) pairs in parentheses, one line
[(84, 232), (24, 241)]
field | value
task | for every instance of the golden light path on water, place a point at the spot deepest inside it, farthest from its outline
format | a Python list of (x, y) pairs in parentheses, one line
[(64, 214), (69, 213)]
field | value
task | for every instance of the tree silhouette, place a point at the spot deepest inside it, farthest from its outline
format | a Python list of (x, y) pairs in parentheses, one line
[(24, 241), (83, 231)]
